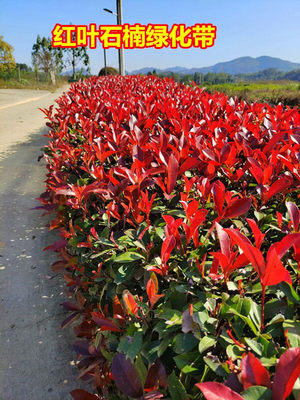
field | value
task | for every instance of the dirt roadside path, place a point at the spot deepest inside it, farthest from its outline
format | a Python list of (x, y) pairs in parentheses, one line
[(36, 356)]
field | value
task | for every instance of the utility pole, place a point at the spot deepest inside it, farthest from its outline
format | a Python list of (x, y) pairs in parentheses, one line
[(121, 50), (105, 64), (119, 16)]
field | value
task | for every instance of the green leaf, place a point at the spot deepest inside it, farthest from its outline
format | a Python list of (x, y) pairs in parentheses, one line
[(188, 362), (164, 345), (269, 349), (107, 355), (125, 273), (276, 319), (289, 291), (206, 342), (257, 393), (172, 317), (149, 350), (235, 352), (259, 215), (105, 241), (268, 362), (176, 388), (256, 347), (232, 286), (177, 213), (178, 299), (102, 253), (131, 346), (184, 342), (293, 332), (215, 366), (141, 369), (210, 304), (201, 318), (139, 243), (274, 307), (128, 257), (160, 232), (245, 319), (97, 339)]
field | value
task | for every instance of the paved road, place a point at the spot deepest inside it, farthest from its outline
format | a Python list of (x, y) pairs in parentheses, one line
[(20, 115), (36, 356)]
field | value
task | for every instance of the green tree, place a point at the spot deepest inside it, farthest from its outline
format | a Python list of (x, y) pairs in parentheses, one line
[(45, 57), (110, 71), (75, 55), (7, 60), (23, 67)]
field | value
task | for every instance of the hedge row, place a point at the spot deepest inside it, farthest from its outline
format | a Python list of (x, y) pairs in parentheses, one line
[(180, 241)]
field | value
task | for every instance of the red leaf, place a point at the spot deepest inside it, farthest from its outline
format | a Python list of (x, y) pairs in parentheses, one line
[(287, 372), (117, 307), (275, 271), (237, 208), (224, 241), (70, 306), (210, 154), (197, 220), (82, 347), (79, 394), (130, 303), (218, 192), (252, 253), (152, 292), (258, 236), (106, 324), (253, 372), (57, 245), (278, 186), (189, 164), (70, 319), (156, 377), (279, 218), (283, 246), (273, 141), (58, 266), (217, 391), (126, 376), (166, 248), (294, 214), (172, 173)]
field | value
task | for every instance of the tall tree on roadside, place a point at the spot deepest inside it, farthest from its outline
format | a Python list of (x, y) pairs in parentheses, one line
[(76, 55), (45, 57), (7, 60)]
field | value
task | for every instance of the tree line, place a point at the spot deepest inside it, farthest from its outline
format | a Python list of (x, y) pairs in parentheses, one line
[(270, 74), (45, 59)]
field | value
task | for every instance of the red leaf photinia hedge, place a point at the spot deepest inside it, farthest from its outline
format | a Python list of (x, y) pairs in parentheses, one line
[(179, 223)]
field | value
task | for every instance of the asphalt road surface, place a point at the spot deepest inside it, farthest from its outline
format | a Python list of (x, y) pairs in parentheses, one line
[(36, 356)]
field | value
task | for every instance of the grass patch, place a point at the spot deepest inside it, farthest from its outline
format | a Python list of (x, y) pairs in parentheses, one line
[(287, 93), (29, 80)]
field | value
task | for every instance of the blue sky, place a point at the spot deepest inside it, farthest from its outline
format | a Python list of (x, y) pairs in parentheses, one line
[(245, 28)]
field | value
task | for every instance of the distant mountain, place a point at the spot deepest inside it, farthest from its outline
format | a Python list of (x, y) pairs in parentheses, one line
[(176, 70), (241, 65), (77, 70)]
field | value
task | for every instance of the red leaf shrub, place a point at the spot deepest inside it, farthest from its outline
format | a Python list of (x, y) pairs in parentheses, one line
[(151, 182)]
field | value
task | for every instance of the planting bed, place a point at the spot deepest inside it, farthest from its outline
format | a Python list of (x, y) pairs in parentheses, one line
[(180, 243)]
